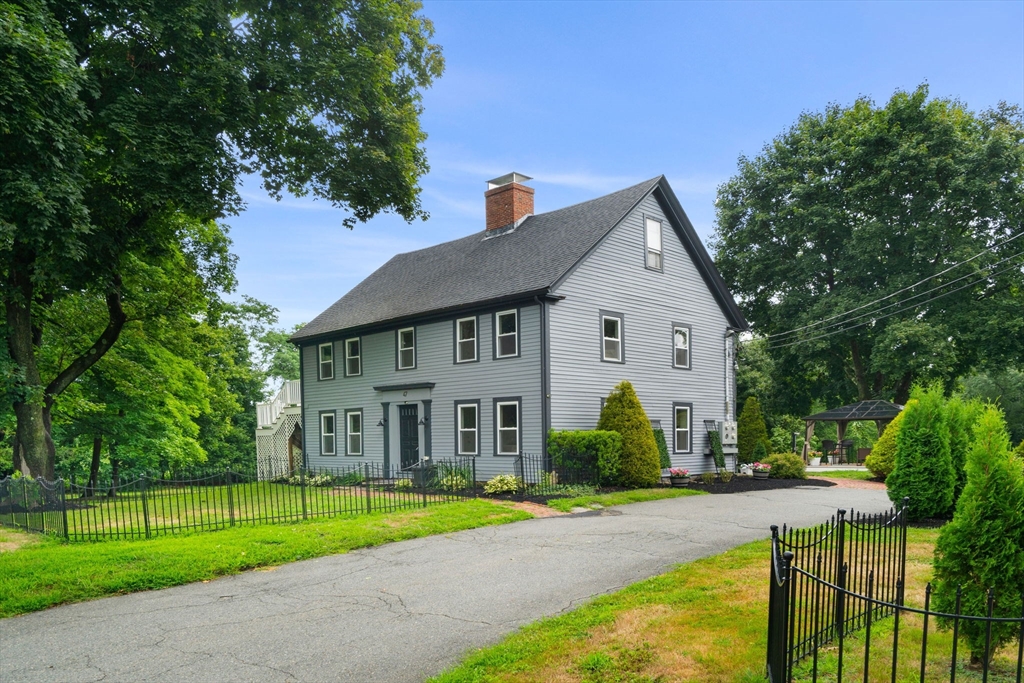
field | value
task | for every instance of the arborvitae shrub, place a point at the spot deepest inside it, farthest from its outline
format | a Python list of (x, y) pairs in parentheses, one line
[(961, 416), (760, 452), (659, 438), (883, 454), (604, 448), (924, 471), (983, 547), (622, 413), (751, 430), (785, 466), (1019, 450)]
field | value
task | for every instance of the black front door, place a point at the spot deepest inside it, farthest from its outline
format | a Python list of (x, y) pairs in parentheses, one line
[(408, 434)]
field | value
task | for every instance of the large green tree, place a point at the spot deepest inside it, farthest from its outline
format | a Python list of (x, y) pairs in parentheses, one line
[(116, 116), (856, 203)]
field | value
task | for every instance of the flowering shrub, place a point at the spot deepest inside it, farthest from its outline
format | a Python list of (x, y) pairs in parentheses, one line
[(761, 467), (678, 472), (503, 483)]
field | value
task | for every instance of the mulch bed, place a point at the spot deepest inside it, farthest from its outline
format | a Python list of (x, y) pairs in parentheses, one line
[(745, 484)]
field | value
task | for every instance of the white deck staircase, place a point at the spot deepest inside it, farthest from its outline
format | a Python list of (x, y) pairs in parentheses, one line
[(276, 421)]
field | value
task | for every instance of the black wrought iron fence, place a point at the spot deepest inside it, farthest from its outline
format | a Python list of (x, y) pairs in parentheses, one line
[(34, 505), (570, 476), (834, 582)]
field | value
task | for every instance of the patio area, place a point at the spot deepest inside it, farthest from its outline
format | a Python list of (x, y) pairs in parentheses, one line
[(841, 453)]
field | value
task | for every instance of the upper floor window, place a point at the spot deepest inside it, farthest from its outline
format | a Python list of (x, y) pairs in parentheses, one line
[(326, 356), (354, 440), (407, 348), (353, 357), (326, 433), (611, 337), (507, 428), (465, 340), (506, 334), (681, 346), (681, 442), (652, 237), (468, 426)]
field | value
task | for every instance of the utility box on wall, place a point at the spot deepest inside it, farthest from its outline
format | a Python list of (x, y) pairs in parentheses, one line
[(729, 433)]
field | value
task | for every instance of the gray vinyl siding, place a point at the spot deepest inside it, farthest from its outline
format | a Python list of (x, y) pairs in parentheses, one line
[(614, 278), (477, 381)]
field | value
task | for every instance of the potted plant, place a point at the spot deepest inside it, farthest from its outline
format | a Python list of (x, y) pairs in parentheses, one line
[(760, 470), (815, 458), (679, 477)]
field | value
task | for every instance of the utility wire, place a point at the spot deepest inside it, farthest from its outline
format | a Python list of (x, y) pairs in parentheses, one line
[(899, 291), (888, 315)]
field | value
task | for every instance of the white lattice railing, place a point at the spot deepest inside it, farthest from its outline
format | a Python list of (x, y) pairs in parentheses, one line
[(290, 394)]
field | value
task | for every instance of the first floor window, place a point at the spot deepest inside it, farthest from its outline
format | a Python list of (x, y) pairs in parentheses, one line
[(681, 346), (611, 338), (682, 429), (508, 428), (355, 433), (327, 434), (468, 428), (506, 334), (326, 352), (653, 237), (407, 348), (465, 330), (353, 357)]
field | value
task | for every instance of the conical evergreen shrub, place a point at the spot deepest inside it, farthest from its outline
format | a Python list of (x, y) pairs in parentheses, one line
[(751, 430), (983, 547), (623, 413), (961, 416), (659, 438), (882, 459), (924, 471), (760, 452)]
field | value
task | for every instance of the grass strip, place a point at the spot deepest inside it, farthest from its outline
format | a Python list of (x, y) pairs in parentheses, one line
[(45, 572), (620, 498), (863, 475)]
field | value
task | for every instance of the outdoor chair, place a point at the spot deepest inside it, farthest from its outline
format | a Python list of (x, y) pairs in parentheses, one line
[(846, 448), (827, 447)]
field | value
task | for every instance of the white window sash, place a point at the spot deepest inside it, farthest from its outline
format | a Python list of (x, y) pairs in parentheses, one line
[(499, 336), (467, 430), (411, 347), (652, 237), (683, 428), (357, 357), (504, 430), (676, 348), (357, 433), (460, 340), (617, 339), (325, 434), (322, 364)]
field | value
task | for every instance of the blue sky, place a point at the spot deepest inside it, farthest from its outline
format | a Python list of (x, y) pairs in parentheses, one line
[(590, 97)]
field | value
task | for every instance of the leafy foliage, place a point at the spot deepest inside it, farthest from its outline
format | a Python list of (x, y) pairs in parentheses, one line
[(715, 438), (882, 459), (924, 469), (623, 413), (983, 547), (785, 466), (663, 457), (853, 203), (503, 483), (566, 448), (1004, 387), (961, 416), (751, 430), (760, 452)]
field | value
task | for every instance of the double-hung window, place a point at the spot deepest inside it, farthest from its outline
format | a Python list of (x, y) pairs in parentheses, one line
[(506, 334), (682, 417), (407, 348), (354, 432), (353, 357), (327, 433), (506, 415), (468, 417), (681, 346), (325, 354), (465, 340), (611, 337), (652, 238)]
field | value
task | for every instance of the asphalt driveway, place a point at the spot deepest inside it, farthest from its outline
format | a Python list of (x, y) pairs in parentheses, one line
[(399, 612)]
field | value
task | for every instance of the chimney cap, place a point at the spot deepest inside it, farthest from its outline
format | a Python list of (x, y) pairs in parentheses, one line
[(506, 179)]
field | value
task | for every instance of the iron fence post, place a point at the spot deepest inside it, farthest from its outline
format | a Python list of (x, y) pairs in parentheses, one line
[(24, 498), (475, 494), (64, 508), (841, 573), (903, 542), (302, 487), (231, 499), (366, 483), (145, 505)]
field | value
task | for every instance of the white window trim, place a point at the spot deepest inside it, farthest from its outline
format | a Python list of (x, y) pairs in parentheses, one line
[(648, 249), (459, 340), (349, 433), (497, 337), (320, 360), (333, 433), (398, 343), (676, 407), (498, 429), (475, 430), (689, 345), (358, 357), (604, 339)]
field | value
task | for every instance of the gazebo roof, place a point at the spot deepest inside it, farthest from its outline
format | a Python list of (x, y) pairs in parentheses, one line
[(863, 410)]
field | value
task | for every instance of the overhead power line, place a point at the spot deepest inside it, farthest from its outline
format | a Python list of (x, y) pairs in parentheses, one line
[(898, 291)]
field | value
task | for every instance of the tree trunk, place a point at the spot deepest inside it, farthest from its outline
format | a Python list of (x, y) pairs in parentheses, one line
[(94, 466), (901, 394), (115, 465), (863, 390)]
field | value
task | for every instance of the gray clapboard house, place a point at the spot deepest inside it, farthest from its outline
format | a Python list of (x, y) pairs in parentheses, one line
[(480, 345)]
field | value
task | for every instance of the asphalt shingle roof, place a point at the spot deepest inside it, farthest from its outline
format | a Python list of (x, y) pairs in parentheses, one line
[(862, 410), (481, 267)]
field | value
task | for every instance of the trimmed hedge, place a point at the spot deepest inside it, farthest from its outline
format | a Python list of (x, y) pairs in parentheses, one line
[(750, 431), (640, 464), (961, 416), (603, 447), (883, 455), (785, 466), (924, 469)]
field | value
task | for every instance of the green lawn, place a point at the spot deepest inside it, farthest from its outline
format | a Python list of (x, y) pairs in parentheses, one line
[(38, 572), (864, 475), (620, 498)]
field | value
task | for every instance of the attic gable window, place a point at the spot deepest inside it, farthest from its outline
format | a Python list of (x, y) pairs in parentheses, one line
[(681, 346), (326, 365), (612, 350), (506, 334), (406, 348), (652, 239)]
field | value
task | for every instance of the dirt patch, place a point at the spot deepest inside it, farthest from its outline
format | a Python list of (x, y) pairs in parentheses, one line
[(13, 540), (538, 510), (854, 483)]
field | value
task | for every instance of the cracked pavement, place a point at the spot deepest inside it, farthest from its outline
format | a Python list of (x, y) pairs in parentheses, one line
[(399, 612)]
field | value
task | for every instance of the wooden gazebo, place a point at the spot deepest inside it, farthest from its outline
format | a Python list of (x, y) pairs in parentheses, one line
[(880, 412)]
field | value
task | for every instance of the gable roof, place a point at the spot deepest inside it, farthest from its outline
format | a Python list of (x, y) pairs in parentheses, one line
[(501, 265)]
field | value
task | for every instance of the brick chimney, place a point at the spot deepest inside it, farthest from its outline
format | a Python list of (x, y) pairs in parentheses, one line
[(508, 200)]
